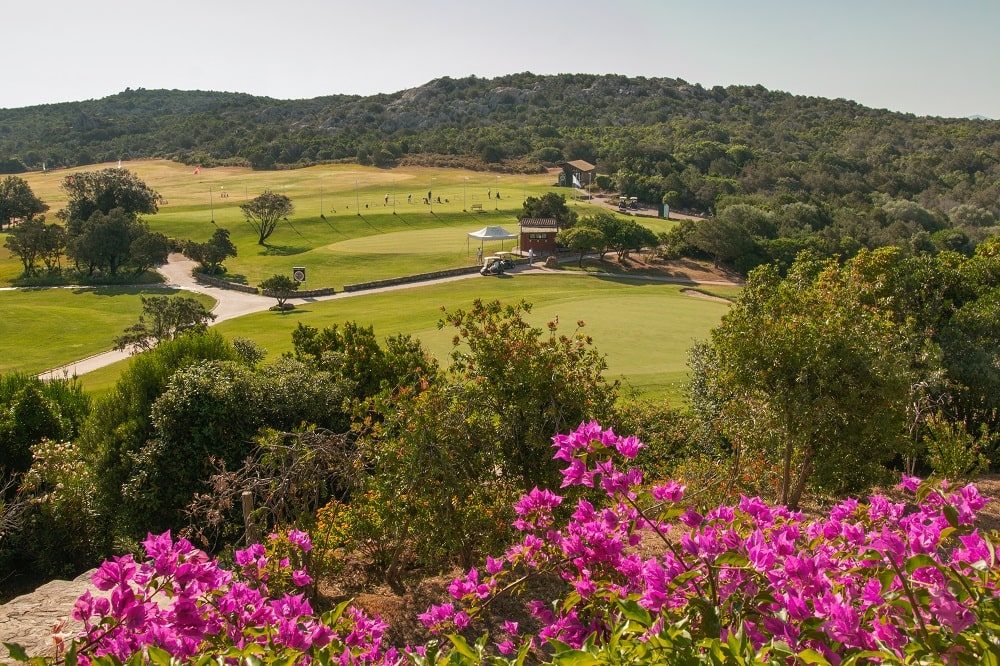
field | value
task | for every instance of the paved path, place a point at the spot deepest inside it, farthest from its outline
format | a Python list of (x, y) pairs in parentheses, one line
[(231, 304)]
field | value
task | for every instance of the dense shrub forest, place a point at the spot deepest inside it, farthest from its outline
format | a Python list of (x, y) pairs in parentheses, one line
[(660, 139)]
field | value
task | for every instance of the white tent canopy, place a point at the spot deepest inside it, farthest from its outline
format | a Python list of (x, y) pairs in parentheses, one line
[(492, 233)]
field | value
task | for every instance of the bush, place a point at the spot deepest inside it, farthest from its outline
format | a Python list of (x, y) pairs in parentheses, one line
[(953, 452), (877, 582)]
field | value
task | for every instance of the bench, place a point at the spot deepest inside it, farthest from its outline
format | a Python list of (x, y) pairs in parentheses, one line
[(477, 207)]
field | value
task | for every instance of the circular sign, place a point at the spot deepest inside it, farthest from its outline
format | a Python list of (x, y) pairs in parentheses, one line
[(299, 274)]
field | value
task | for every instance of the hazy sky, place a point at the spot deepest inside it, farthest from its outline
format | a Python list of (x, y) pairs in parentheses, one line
[(919, 56)]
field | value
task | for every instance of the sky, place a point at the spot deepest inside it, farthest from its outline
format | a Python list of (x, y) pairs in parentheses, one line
[(939, 58)]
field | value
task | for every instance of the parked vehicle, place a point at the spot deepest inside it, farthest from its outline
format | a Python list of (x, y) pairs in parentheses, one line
[(507, 258), (492, 266)]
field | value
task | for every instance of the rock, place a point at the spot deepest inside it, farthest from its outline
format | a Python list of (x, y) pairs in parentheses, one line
[(29, 620)]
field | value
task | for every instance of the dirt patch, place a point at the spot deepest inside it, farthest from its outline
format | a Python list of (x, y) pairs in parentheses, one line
[(647, 265), (694, 293)]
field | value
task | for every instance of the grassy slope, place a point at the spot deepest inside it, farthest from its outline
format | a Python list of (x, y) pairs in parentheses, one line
[(42, 329), (643, 328), (645, 339), (325, 233)]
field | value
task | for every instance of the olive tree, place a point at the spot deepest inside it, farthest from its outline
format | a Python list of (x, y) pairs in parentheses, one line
[(164, 318), (581, 239), (809, 377), (280, 287), (264, 211)]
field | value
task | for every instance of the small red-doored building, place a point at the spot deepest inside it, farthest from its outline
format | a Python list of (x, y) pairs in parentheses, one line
[(538, 234)]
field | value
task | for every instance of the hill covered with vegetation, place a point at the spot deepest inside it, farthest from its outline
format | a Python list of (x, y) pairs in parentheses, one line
[(661, 139)]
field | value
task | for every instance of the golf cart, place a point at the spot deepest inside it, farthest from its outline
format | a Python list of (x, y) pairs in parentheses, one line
[(492, 266), (506, 258)]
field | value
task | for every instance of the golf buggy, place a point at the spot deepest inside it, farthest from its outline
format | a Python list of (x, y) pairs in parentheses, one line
[(492, 266), (506, 258)]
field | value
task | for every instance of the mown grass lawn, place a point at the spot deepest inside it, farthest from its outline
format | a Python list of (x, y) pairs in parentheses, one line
[(42, 329), (643, 328), (326, 234), (345, 231)]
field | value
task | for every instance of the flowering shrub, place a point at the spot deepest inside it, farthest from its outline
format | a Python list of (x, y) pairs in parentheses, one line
[(748, 583), (178, 603), (882, 580)]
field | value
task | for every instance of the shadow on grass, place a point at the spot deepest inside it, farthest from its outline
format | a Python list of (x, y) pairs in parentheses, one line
[(290, 308), (126, 290), (71, 278), (283, 250), (330, 224), (365, 220)]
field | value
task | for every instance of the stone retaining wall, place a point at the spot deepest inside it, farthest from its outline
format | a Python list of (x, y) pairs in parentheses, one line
[(406, 279), (307, 293), (224, 284)]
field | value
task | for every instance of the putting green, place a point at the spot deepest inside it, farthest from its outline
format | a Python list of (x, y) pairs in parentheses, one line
[(644, 328)]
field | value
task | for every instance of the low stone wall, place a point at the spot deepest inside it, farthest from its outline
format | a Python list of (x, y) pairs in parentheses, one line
[(406, 279), (308, 293), (224, 284)]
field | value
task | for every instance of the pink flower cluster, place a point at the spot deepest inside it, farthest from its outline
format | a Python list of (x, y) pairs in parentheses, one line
[(181, 601), (867, 577), (880, 580)]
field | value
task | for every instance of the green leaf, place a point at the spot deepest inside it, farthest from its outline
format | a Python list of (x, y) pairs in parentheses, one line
[(811, 656), (575, 658), (331, 617), (951, 514), (462, 647), (733, 559), (919, 561), (856, 657), (158, 656), (633, 611), (16, 651), (571, 600), (522, 653)]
